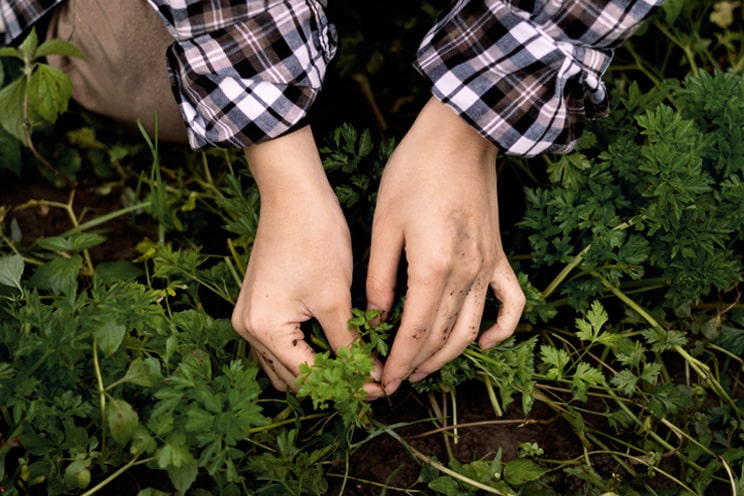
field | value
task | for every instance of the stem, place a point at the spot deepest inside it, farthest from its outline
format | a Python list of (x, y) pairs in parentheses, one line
[(104, 218), (101, 394), (131, 463), (456, 475)]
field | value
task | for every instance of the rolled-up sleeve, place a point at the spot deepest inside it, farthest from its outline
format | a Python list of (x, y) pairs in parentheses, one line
[(528, 74), (244, 72)]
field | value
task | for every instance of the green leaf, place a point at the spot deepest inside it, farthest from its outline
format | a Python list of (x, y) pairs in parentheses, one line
[(122, 421), (58, 47), (73, 244), (522, 470), (445, 485), (58, 276), (117, 270), (556, 358), (27, 49), (9, 52), (11, 101), (11, 271), (174, 454), (144, 373), (109, 336), (77, 474), (183, 476), (49, 92), (10, 151)]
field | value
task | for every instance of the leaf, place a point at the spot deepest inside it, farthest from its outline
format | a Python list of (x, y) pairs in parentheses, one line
[(144, 373), (11, 271), (49, 92), (445, 485), (11, 101), (58, 276), (117, 270), (183, 476), (27, 49), (523, 470), (122, 421), (556, 358), (109, 336), (77, 474), (10, 151), (58, 47), (9, 52), (73, 244), (174, 454)]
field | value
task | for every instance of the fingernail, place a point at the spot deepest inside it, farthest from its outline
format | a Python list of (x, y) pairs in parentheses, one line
[(392, 386), (417, 376), (487, 345)]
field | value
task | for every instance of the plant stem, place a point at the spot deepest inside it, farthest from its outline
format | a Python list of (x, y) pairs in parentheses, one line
[(131, 463), (101, 394)]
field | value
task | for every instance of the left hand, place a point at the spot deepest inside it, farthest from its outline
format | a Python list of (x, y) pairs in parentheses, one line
[(438, 201)]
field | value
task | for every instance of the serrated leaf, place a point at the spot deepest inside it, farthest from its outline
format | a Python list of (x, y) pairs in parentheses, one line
[(523, 470), (109, 336), (144, 373), (58, 276), (58, 47), (173, 455), (11, 271), (556, 358), (625, 381), (11, 101), (49, 92), (122, 421), (75, 243), (183, 476)]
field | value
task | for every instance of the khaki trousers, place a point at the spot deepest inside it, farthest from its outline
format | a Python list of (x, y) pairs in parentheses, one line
[(124, 74)]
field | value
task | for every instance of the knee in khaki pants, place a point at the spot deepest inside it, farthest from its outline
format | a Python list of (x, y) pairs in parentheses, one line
[(124, 74)]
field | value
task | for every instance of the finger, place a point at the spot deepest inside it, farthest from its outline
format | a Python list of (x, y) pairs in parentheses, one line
[(279, 375), (507, 290), (382, 271), (284, 348), (419, 313), (464, 332)]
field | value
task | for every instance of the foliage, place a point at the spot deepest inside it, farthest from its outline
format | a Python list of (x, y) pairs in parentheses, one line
[(629, 252)]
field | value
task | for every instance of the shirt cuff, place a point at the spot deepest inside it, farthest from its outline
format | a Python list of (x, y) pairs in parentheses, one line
[(528, 79), (247, 74)]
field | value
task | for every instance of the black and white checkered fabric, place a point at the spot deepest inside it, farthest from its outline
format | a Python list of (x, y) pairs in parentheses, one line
[(527, 74)]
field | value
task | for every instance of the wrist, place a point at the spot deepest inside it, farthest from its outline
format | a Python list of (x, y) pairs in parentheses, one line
[(454, 133), (288, 168)]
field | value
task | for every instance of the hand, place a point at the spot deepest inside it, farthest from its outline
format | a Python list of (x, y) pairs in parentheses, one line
[(301, 261), (438, 201)]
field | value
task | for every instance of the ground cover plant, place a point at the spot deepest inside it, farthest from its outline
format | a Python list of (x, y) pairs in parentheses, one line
[(121, 258)]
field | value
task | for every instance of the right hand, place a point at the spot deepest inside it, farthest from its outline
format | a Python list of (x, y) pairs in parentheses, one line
[(301, 262)]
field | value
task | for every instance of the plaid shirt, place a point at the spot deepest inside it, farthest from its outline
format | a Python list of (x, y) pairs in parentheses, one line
[(526, 74)]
